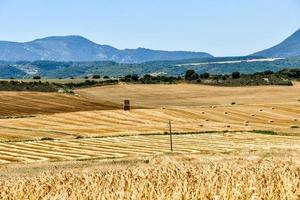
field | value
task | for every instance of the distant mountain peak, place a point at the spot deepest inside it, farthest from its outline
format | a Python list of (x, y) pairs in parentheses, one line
[(68, 38), (78, 48), (290, 47)]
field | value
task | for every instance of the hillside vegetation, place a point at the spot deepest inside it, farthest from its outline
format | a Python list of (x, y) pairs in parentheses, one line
[(50, 69)]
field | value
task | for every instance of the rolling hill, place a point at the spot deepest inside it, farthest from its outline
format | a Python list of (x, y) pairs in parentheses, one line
[(288, 48), (77, 48)]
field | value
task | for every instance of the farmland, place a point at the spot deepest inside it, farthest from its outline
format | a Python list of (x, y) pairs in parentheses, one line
[(96, 112), (180, 177), (139, 146), (86, 136)]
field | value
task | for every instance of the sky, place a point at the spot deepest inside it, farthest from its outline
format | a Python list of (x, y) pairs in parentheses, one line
[(219, 27)]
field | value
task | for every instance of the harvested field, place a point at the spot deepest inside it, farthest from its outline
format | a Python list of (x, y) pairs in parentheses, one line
[(180, 177), (137, 121), (33, 103), (139, 146), (159, 95), (84, 146)]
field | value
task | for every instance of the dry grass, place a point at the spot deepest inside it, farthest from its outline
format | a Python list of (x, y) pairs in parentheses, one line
[(166, 178)]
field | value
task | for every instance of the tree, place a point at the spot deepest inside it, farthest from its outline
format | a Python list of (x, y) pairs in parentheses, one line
[(268, 72), (205, 75), (235, 75), (135, 77), (96, 76), (191, 75), (127, 78), (36, 77), (147, 77)]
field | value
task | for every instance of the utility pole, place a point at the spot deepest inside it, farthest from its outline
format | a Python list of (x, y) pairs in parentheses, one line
[(171, 139)]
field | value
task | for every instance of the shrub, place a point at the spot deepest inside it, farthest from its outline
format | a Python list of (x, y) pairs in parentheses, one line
[(36, 77)]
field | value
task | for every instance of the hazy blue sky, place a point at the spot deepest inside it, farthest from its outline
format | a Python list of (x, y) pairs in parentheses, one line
[(220, 27)]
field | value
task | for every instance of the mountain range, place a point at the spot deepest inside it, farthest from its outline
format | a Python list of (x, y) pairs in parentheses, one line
[(49, 57), (77, 48), (290, 47)]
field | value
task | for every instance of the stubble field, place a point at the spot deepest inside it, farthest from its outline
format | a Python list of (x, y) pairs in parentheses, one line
[(37, 129)]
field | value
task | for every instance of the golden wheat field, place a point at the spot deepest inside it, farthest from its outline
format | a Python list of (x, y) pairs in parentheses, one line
[(228, 143), (177, 177)]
